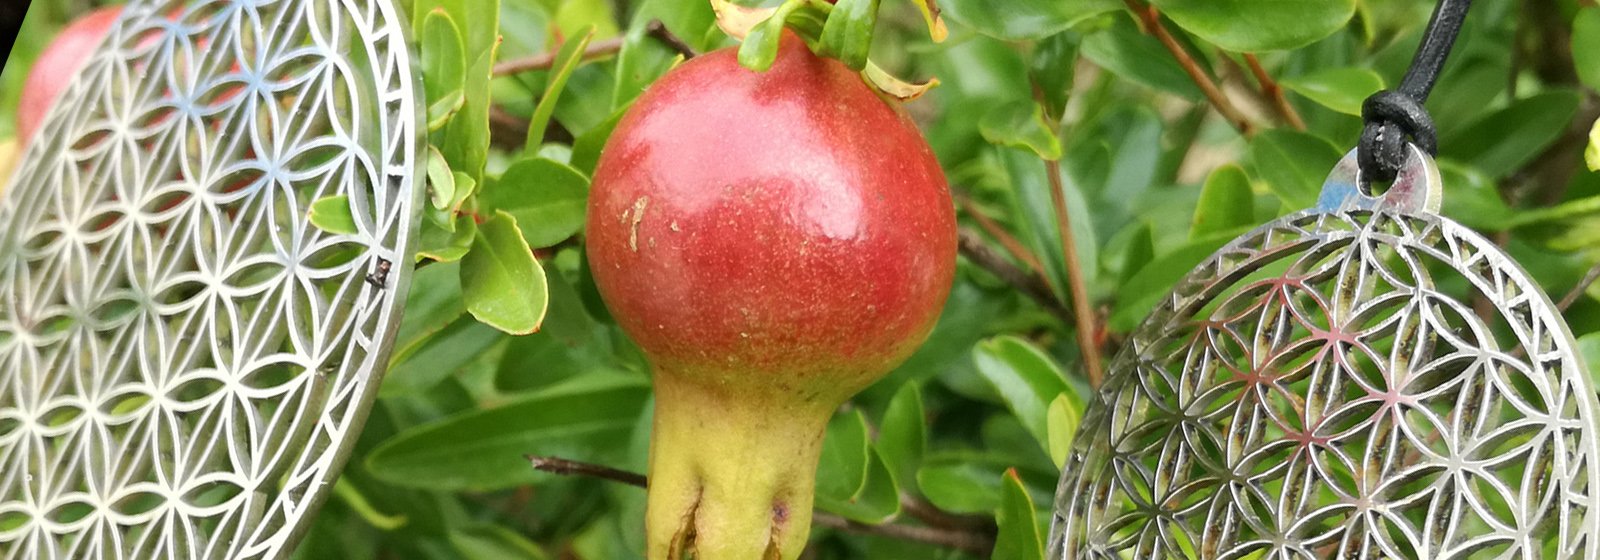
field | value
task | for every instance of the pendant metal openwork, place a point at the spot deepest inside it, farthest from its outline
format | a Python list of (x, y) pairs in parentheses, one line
[(185, 360), (1365, 379)]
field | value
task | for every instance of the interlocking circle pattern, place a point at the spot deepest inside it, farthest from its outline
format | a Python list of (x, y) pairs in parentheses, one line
[(184, 359), (1324, 388)]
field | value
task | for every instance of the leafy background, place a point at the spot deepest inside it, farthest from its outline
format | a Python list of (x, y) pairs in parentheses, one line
[(1164, 130)]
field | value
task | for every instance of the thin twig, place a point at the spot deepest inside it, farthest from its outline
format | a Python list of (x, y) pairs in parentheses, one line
[(1010, 243), (597, 49), (976, 542), (1273, 91), (543, 61), (1151, 22), (1583, 286), (661, 33), (1034, 286), (934, 517), (1079, 293), (564, 467)]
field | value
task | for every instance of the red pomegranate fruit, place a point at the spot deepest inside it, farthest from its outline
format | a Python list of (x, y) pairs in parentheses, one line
[(775, 242), (56, 66)]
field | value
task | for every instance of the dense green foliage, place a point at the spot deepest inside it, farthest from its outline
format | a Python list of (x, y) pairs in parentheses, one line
[(974, 427)]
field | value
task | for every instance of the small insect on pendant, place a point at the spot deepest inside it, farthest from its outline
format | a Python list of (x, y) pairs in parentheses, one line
[(1364, 379)]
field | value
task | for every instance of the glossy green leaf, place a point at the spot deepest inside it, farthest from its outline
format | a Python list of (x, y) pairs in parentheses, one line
[(566, 61), (959, 486), (842, 470), (760, 47), (465, 139), (586, 419), (1026, 378), (1226, 203), (1340, 89), (441, 181), (1505, 140), (847, 34), (1019, 20), (1589, 350), (1021, 125), (547, 198), (1474, 198), (1293, 164), (332, 214), (442, 245), (903, 434), (586, 149), (501, 282), (877, 502), (444, 60), (1128, 53), (1062, 422), (1019, 537), (1259, 25), (573, 18), (1586, 45)]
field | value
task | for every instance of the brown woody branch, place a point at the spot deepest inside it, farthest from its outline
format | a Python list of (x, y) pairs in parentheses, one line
[(1150, 21), (1034, 286), (974, 541), (1274, 92), (1081, 314), (1583, 286), (597, 49)]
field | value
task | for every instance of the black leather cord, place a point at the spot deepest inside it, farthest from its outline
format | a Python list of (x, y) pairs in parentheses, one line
[(1397, 116)]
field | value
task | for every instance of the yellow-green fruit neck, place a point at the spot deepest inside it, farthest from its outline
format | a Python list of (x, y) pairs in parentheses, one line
[(732, 476)]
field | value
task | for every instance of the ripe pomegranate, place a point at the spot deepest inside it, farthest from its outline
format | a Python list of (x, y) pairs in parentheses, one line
[(56, 66), (775, 242)]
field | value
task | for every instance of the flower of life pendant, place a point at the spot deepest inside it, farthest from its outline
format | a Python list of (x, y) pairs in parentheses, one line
[(1364, 379)]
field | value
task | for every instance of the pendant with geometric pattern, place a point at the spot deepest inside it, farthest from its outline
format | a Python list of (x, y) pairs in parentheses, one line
[(1364, 379)]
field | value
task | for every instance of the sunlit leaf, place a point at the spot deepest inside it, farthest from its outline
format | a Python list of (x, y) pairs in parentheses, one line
[(501, 282)]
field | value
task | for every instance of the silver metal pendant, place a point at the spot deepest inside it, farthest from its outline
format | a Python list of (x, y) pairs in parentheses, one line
[(185, 360), (1323, 387)]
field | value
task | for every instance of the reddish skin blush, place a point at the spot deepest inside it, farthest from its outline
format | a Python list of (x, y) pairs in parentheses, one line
[(56, 66), (775, 242)]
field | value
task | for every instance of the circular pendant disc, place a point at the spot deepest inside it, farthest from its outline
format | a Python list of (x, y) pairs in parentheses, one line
[(185, 360), (1362, 380)]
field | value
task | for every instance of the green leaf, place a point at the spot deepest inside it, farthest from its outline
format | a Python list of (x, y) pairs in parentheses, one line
[(877, 502), (566, 61), (493, 542), (903, 436), (1592, 155), (1019, 537), (842, 470), (332, 214), (1259, 25), (1052, 69), (441, 182), (1506, 140), (1021, 125), (1026, 378), (439, 112), (573, 18), (760, 47), (547, 198), (1474, 198), (433, 302), (1141, 293), (1293, 164), (586, 419), (1226, 203), (1586, 46), (1020, 20), (445, 246), (1126, 52), (444, 60), (959, 486), (465, 187), (1340, 89), (586, 149), (1589, 351), (847, 34), (501, 282), (465, 140), (1062, 424), (439, 356)]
